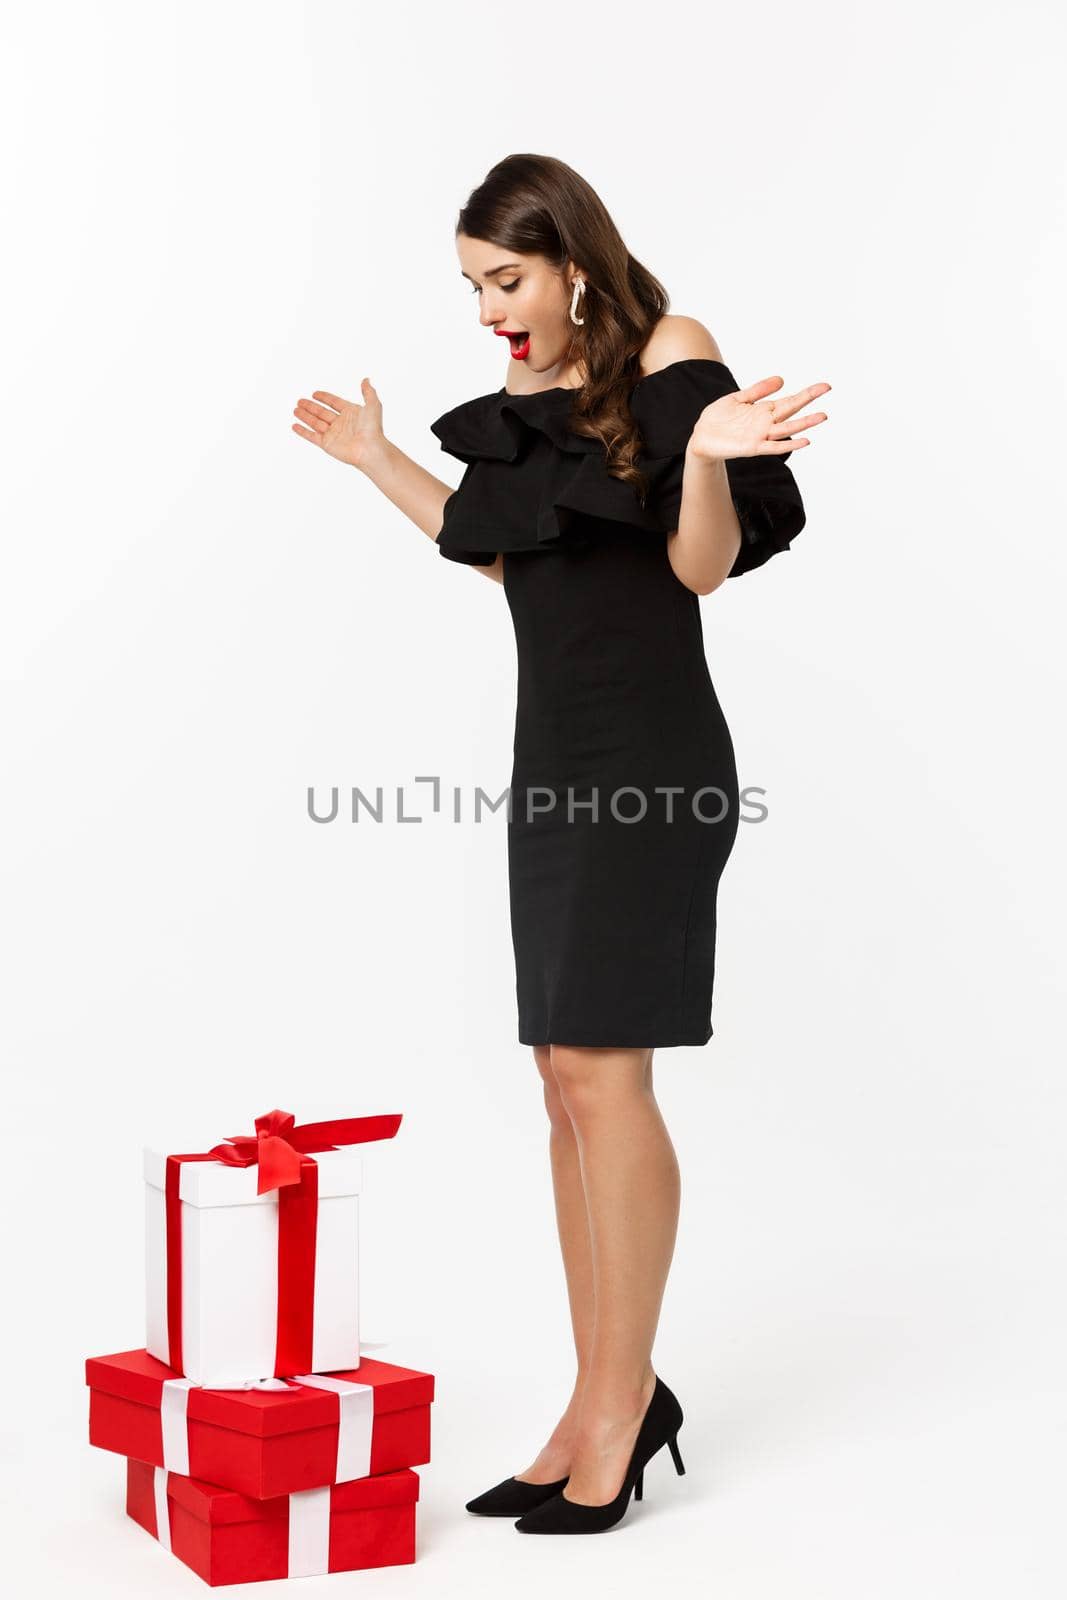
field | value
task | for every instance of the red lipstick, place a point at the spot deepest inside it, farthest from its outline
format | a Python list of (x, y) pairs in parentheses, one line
[(520, 343)]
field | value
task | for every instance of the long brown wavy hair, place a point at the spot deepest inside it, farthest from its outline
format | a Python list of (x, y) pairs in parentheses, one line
[(537, 205)]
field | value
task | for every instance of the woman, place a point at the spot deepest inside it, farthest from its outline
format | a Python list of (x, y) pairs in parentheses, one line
[(619, 474)]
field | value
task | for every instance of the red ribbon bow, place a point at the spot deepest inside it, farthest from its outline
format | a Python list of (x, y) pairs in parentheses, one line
[(278, 1145), (284, 1154)]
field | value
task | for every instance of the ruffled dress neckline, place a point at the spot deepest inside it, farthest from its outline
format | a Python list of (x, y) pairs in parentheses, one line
[(532, 482)]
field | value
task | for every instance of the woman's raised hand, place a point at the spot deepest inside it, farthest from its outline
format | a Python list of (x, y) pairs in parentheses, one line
[(346, 430), (747, 424)]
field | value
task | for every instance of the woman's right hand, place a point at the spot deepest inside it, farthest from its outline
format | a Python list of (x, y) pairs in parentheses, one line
[(346, 430)]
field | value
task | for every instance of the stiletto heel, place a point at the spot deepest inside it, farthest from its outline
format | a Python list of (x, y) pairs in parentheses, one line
[(659, 1426)]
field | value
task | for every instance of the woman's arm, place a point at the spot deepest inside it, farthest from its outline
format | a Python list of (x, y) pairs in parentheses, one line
[(755, 421), (415, 492), (705, 544), (353, 433)]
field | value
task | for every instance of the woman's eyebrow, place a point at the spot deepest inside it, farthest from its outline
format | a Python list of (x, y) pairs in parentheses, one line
[(509, 266)]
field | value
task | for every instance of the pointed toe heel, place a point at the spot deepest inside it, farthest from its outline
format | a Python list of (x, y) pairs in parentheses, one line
[(513, 1497), (658, 1428)]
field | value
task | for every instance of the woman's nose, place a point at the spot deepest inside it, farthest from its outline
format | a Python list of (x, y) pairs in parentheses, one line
[(488, 314)]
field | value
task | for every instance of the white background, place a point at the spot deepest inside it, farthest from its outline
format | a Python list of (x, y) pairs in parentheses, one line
[(214, 210)]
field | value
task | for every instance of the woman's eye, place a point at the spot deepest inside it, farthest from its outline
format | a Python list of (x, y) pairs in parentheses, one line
[(507, 287)]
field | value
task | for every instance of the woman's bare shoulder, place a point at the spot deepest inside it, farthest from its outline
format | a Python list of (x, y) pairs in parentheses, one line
[(676, 338)]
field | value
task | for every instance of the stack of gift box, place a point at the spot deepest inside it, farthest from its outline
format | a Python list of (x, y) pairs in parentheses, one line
[(258, 1442)]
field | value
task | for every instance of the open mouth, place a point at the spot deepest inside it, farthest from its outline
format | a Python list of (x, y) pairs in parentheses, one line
[(519, 342)]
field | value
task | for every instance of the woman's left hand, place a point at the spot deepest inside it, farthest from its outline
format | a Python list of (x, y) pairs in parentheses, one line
[(747, 424)]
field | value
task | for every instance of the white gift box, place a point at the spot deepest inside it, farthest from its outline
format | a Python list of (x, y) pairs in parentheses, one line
[(229, 1267)]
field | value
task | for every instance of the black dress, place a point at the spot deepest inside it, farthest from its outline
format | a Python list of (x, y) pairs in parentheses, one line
[(612, 878)]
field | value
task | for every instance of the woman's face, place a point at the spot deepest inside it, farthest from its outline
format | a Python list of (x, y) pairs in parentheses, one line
[(523, 295)]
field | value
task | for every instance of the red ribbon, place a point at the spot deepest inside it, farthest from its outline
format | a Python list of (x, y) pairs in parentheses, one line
[(284, 1154)]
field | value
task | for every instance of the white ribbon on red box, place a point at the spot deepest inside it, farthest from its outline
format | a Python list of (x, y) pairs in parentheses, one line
[(159, 1490), (173, 1416), (355, 1421), (309, 1526), (309, 1532)]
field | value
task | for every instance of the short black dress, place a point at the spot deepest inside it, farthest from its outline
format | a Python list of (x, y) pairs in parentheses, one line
[(623, 804)]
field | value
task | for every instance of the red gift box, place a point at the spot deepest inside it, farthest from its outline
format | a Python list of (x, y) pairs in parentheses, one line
[(230, 1538), (259, 1442)]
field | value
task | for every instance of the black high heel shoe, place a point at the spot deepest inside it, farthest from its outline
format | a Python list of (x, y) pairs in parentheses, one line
[(514, 1495), (659, 1427)]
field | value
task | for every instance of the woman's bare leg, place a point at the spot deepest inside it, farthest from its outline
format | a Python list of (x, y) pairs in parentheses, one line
[(554, 1461), (632, 1190)]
